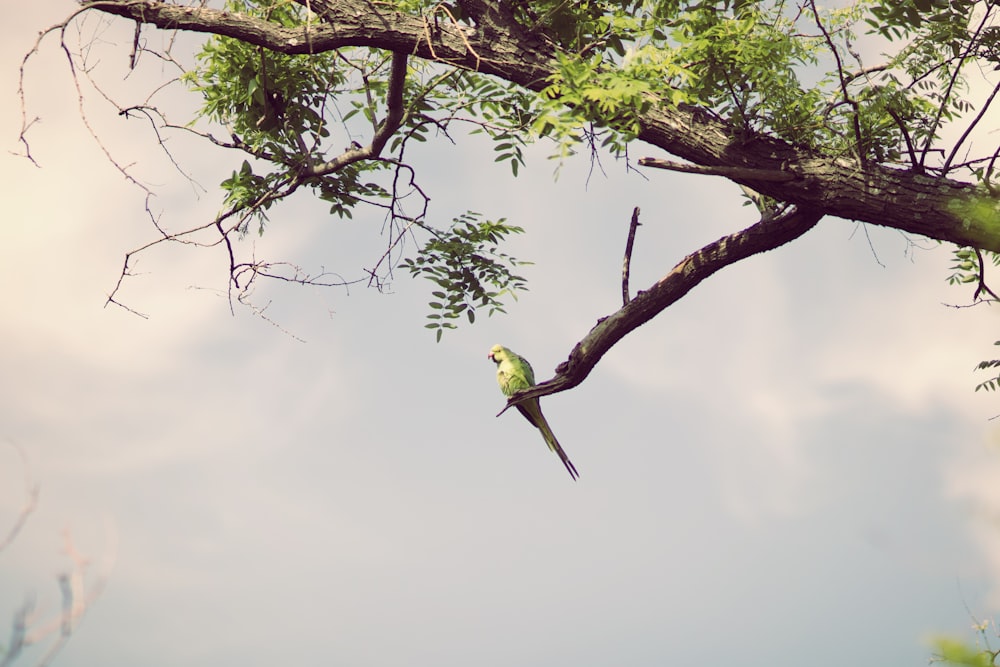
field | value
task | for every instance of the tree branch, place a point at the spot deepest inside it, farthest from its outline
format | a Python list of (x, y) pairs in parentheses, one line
[(745, 173), (872, 193), (395, 115), (954, 80), (982, 286), (626, 265), (31, 490), (968, 130), (688, 273)]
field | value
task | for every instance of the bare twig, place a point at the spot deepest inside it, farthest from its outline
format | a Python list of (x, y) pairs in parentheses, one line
[(123, 170), (953, 81), (843, 77), (31, 491), (968, 130), (260, 312), (910, 150), (982, 286), (395, 116), (626, 264), (76, 597), (18, 629), (150, 113), (243, 274)]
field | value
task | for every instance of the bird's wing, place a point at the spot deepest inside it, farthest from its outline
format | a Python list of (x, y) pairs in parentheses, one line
[(511, 374), (523, 368)]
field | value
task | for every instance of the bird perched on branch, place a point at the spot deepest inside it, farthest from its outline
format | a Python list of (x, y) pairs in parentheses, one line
[(514, 374)]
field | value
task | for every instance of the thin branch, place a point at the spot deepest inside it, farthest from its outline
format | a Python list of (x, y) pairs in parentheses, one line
[(392, 216), (260, 312), (123, 170), (25, 123), (988, 174), (855, 121), (864, 72), (973, 41), (77, 597), (395, 116), (18, 628), (627, 263), (968, 130), (765, 235), (148, 112), (243, 274), (31, 490), (910, 149), (871, 246), (982, 287)]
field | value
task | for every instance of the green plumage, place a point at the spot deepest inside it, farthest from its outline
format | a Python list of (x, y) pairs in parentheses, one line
[(514, 374)]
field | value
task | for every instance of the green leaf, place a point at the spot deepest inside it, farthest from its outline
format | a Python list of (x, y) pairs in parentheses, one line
[(466, 263)]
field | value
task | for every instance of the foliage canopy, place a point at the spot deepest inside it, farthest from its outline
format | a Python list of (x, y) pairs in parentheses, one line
[(873, 110)]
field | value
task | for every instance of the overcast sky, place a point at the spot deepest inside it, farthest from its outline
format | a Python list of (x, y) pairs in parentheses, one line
[(791, 461)]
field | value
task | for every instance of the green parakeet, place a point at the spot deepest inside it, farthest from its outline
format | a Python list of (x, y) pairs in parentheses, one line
[(514, 374)]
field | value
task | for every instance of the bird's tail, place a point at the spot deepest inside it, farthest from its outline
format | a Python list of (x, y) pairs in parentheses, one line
[(550, 440)]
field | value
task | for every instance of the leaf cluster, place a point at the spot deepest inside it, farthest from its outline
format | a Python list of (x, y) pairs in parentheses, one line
[(466, 263), (791, 72), (957, 652), (270, 100), (765, 66), (504, 114), (284, 111), (966, 268)]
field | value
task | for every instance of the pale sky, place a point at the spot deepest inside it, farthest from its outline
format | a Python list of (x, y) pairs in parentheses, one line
[(790, 461)]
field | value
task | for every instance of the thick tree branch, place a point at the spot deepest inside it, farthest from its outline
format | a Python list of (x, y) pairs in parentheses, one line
[(838, 187), (687, 274), (880, 195)]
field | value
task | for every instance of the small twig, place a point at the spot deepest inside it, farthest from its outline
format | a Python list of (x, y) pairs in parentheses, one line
[(742, 173), (982, 287), (855, 120), (441, 7), (81, 110), (911, 151), (150, 113), (30, 503), (952, 82), (259, 312), (969, 129), (628, 255), (393, 216), (77, 598), (19, 626)]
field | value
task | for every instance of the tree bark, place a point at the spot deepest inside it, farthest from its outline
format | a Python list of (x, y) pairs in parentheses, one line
[(934, 207)]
